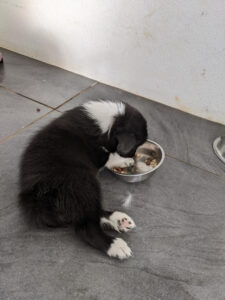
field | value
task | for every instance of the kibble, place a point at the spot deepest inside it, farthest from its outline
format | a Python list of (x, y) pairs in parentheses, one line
[(154, 163), (148, 161)]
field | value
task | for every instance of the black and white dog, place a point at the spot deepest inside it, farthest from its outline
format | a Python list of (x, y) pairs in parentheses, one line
[(58, 184)]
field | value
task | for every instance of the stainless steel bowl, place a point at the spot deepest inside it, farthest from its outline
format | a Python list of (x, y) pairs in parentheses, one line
[(219, 147), (146, 149)]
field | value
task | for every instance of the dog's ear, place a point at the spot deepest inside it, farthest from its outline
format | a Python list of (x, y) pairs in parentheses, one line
[(126, 143)]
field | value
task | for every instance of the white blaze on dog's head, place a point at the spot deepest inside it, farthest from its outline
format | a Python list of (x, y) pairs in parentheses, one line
[(104, 112)]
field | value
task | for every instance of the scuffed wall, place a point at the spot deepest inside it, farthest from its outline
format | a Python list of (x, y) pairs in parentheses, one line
[(170, 51)]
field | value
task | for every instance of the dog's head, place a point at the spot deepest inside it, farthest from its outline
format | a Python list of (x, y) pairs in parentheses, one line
[(128, 131)]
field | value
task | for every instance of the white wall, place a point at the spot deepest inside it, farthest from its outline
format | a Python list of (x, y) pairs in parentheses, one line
[(170, 51)]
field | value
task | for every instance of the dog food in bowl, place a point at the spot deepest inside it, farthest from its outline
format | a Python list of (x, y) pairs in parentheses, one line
[(142, 164), (147, 159)]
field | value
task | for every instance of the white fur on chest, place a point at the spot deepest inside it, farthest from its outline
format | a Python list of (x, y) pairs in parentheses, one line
[(104, 112)]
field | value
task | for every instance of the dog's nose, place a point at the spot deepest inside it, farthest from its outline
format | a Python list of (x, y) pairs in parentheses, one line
[(127, 154)]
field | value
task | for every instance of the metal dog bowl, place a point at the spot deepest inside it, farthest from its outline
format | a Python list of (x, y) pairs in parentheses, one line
[(137, 174), (219, 147)]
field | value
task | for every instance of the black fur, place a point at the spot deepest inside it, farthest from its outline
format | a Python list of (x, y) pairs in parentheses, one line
[(58, 184)]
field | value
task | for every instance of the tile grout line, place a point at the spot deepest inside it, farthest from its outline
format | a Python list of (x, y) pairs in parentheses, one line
[(78, 94), (26, 126), (169, 155), (180, 160), (52, 109), (68, 100), (200, 168), (41, 103), (155, 101), (21, 95)]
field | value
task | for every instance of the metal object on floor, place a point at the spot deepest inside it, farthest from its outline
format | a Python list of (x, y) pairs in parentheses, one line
[(144, 151), (219, 147)]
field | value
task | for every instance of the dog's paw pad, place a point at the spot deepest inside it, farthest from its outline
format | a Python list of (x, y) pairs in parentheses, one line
[(119, 249), (121, 221), (126, 224)]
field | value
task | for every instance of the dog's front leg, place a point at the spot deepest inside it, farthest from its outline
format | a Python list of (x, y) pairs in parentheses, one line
[(115, 160)]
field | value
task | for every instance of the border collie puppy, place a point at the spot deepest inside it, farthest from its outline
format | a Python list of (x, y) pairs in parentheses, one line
[(58, 184)]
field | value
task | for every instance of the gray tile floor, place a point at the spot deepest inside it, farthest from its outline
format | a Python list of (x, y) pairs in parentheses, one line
[(179, 242)]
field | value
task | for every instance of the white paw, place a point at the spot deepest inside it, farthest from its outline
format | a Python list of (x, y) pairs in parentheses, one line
[(121, 221), (126, 162), (120, 249), (115, 160)]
